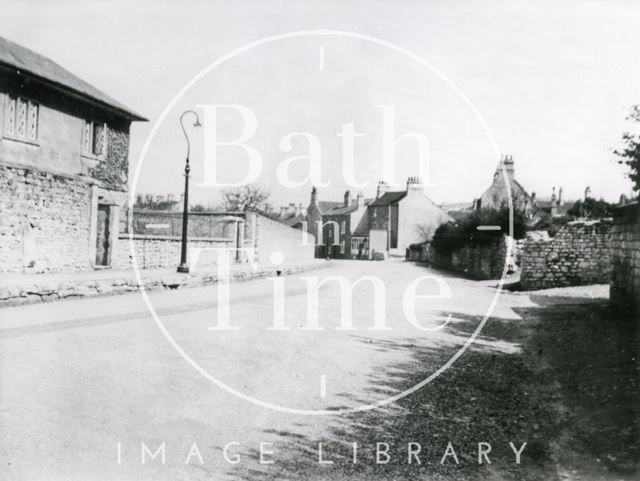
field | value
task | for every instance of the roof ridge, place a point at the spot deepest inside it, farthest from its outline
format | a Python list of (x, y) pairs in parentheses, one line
[(24, 59)]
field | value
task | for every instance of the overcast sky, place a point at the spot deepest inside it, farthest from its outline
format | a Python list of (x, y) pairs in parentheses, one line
[(553, 80)]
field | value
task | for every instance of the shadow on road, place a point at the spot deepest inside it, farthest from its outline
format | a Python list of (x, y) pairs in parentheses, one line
[(570, 392)]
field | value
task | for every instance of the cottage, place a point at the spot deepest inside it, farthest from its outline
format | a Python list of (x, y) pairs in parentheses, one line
[(398, 219), (388, 224), (336, 226), (63, 166), (497, 194)]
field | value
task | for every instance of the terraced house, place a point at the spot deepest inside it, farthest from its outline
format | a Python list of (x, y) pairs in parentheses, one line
[(63, 166), (387, 224)]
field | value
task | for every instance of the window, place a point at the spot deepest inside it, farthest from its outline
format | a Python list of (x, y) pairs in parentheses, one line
[(21, 119), (342, 247), (343, 227), (355, 244), (94, 139)]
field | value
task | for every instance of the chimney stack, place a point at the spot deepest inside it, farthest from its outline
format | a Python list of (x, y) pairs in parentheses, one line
[(360, 199), (414, 183), (347, 198), (560, 201), (382, 188), (554, 203), (509, 167), (314, 196), (587, 193)]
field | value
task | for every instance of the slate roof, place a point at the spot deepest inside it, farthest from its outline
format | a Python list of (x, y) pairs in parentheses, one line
[(326, 205), (27, 61), (389, 198), (292, 219), (342, 210)]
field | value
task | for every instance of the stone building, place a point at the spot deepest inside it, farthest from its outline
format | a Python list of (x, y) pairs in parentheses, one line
[(340, 226), (388, 224), (497, 194), (63, 166), (398, 219)]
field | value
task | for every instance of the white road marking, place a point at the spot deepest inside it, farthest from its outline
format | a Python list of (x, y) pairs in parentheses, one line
[(489, 227)]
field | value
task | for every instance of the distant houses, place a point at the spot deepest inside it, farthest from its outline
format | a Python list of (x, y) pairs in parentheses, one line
[(497, 195), (371, 228)]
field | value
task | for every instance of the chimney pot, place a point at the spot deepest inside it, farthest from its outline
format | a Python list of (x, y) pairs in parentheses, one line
[(382, 188)]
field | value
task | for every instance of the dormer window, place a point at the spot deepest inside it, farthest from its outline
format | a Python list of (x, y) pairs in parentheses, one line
[(21, 119), (94, 139)]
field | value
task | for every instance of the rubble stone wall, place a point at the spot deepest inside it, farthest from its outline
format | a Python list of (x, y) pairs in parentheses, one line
[(164, 252), (625, 260), (44, 221), (579, 254), (158, 251)]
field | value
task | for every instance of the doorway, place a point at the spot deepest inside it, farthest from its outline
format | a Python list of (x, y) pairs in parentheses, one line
[(103, 251)]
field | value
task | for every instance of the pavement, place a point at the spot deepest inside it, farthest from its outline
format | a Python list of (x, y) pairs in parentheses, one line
[(89, 384), (27, 288)]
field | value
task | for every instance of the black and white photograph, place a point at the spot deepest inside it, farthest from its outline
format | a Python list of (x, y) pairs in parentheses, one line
[(297, 240)]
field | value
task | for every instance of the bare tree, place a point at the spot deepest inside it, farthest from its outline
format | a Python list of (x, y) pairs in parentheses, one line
[(426, 231), (250, 197)]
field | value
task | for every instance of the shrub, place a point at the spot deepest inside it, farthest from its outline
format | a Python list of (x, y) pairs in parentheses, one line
[(464, 231), (592, 209)]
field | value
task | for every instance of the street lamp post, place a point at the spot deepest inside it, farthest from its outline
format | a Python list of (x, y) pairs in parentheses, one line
[(184, 265)]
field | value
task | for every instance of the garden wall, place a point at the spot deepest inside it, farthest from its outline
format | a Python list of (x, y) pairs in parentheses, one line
[(163, 252), (263, 235), (625, 260), (579, 254), (478, 262)]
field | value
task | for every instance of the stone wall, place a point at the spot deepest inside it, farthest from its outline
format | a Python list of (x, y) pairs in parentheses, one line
[(478, 262), (157, 251), (481, 262), (625, 260), (579, 254), (113, 170), (45, 220), (154, 252)]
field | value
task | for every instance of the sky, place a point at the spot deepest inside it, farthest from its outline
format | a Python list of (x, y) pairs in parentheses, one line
[(551, 81)]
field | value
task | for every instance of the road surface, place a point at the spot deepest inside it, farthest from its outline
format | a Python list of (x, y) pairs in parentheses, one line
[(89, 384)]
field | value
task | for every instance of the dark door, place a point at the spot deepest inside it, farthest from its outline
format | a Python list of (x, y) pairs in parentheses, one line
[(102, 236)]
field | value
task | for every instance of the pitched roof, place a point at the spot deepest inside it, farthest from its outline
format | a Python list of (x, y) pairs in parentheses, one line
[(27, 61), (546, 205), (342, 210), (326, 205), (293, 219), (389, 198)]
